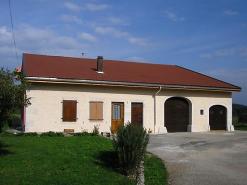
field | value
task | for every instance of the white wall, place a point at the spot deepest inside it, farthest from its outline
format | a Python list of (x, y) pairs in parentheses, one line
[(45, 113)]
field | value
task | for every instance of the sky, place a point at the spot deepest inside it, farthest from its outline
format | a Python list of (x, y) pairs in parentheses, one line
[(208, 37)]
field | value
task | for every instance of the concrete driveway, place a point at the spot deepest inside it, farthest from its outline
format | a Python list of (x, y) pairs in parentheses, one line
[(203, 158)]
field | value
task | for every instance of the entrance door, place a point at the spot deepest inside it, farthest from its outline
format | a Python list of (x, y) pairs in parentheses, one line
[(117, 112), (137, 113), (176, 114), (217, 117)]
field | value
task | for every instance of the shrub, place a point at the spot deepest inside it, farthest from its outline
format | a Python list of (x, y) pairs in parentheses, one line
[(95, 130), (52, 134), (130, 143), (5, 133), (84, 133), (28, 134)]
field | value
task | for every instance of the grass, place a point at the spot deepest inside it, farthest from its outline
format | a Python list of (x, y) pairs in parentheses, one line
[(242, 127), (59, 160), (155, 170), (234, 120)]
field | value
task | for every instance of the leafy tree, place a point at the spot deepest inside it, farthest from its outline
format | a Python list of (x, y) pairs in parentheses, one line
[(13, 86)]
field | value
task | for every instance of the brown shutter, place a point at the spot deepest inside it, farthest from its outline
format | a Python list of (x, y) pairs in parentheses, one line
[(93, 112), (96, 111), (100, 111), (69, 110)]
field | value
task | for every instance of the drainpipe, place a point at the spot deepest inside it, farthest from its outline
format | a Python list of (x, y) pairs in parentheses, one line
[(155, 107)]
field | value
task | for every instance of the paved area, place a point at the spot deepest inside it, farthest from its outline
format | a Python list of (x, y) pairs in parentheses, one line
[(203, 158)]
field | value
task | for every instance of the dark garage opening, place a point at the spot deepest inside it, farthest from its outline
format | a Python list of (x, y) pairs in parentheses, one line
[(217, 117), (176, 114)]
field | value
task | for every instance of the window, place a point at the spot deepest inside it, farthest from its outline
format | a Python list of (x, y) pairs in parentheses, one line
[(69, 110), (201, 111), (96, 111), (116, 111)]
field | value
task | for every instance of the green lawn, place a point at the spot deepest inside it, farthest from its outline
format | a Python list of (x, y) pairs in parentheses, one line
[(68, 160), (155, 170), (59, 160)]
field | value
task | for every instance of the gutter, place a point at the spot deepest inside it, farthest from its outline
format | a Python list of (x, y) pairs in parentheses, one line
[(132, 84), (155, 107)]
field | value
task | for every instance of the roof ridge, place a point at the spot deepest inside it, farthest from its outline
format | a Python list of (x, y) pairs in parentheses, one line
[(96, 59)]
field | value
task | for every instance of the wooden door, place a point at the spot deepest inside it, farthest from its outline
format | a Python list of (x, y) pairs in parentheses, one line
[(217, 117), (176, 115), (137, 113), (117, 114)]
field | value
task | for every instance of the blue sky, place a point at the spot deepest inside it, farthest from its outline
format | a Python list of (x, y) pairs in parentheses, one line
[(209, 37)]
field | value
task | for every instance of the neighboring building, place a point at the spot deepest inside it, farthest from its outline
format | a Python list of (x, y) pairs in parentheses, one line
[(78, 93)]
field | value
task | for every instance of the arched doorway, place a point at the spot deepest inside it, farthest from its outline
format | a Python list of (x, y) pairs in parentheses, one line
[(217, 117), (176, 114)]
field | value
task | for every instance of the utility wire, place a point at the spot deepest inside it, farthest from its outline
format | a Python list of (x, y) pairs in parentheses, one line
[(13, 32)]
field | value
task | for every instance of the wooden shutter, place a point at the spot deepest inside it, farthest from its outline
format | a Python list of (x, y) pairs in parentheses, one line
[(96, 110), (100, 111), (93, 112), (69, 110)]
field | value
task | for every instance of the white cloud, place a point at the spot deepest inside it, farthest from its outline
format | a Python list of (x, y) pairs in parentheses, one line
[(117, 21), (5, 36), (110, 31), (88, 37), (225, 52), (229, 12), (33, 40), (71, 18), (138, 41), (94, 7), (173, 17), (241, 51), (115, 33), (136, 59), (205, 55), (72, 6)]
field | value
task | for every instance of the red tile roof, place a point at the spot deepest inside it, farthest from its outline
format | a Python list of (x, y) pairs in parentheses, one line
[(117, 71)]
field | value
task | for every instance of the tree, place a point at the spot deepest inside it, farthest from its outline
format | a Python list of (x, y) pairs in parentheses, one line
[(13, 87)]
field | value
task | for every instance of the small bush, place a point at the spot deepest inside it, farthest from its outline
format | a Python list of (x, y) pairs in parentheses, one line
[(28, 134), (5, 133), (130, 143), (52, 134), (84, 133), (95, 130)]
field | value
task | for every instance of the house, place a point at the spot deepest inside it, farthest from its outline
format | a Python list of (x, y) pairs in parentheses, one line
[(77, 94)]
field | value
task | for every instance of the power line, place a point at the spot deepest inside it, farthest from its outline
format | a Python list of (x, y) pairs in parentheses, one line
[(13, 32)]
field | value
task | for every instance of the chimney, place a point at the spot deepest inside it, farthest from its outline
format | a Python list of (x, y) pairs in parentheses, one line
[(100, 64), (82, 55)]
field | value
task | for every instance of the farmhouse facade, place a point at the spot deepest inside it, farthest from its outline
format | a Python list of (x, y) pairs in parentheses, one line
[(77, 94)]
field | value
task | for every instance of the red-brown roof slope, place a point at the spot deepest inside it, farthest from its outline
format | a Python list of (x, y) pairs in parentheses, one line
[(116, 71)]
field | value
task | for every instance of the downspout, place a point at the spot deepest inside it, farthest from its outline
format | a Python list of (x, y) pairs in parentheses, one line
[(155, 107)]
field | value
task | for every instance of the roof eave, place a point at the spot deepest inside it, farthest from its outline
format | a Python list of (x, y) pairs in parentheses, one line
[(43, 79)]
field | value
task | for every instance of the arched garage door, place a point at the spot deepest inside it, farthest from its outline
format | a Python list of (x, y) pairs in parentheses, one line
[(176, 114), (217, 117)]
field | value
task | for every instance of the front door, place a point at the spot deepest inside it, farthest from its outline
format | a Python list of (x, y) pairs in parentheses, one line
[(137, 113), (117, 112)]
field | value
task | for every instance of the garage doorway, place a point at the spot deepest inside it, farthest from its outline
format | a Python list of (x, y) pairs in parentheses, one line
[(137, 114), (176, 114), (217, 117)]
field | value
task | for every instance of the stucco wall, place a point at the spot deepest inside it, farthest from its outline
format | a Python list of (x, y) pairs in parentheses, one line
[(45, 112)]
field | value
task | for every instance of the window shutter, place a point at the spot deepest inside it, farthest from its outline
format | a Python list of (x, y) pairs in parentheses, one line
[(69, 111), (100, 111), (96, 110), (93, 112)]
